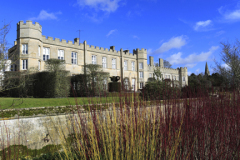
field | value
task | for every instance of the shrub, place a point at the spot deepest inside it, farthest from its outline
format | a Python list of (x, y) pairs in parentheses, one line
[(159, 90)]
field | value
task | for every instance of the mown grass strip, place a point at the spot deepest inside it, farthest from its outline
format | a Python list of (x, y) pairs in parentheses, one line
[(14, 103)]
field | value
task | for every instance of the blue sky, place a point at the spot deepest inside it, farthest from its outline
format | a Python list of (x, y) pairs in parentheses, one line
[(187, 33)]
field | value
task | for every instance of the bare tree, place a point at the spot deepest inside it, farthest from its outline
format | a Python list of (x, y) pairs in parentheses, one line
[(167, 64), (3, 46), (230, 71)]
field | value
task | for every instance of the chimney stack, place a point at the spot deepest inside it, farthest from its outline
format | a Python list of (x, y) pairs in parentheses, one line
[(161, 64), (151, 61)]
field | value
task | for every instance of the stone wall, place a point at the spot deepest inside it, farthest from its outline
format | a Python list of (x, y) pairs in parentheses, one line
[(31, 131)]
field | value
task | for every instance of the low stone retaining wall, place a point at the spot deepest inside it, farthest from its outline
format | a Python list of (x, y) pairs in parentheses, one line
[(38, 131)]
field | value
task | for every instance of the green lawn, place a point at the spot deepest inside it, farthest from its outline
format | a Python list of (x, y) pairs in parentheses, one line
[(10, 103)]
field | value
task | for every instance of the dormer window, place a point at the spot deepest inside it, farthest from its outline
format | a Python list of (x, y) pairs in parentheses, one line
[(24, 48)]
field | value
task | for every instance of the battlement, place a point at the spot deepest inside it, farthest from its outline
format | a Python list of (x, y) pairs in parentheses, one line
[(183, 69), (140, 50), (58, 41), (151, 68), (127, 54), (29, 24), (102, 50)]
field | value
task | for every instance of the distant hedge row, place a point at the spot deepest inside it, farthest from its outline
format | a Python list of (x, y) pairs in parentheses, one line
[(39, 85), (50, 85)]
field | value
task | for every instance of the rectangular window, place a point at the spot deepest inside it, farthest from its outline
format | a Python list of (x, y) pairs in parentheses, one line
[(94, 59), (105, 83), (167, 76), (183, 78), (133, 66), (133, 85), (140, 74), (150, 75), (39, 50), (61, 54), (46, 53), (74, 85), (12, 67), (24, 48), (125, 65), (141, 85), (104, 62), (24, 64), (39, 65), (141, 65), (74, 58), (114, 63), (177, 78)]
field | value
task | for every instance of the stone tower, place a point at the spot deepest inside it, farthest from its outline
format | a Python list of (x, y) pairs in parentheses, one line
[(206, 70)]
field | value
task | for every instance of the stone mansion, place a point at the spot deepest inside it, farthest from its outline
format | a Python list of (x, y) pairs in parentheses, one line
[(33, 49)]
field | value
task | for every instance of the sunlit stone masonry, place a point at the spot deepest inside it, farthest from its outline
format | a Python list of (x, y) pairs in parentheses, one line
[(34, 49)]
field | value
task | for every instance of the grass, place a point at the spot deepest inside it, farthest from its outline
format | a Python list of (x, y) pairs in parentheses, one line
[(13, 103)]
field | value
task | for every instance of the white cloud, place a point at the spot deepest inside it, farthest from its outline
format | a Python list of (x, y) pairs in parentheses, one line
[(44, 15), (103, 5), (149, 51), (191, 60), (202, 25), (174, 42), (190, 65), (219, 33), (229, 15), (111, 32), (225, 66), (135, 37), (234, 15), (197, 71)]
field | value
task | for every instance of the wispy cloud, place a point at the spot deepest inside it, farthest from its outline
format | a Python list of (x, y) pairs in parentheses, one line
[(103, 5), (44, 15), (191, 60), (111, 32), (197, 71), (229, 15), (174, 42), (219, 33), (225, 66), (149, 51), (202, 25), (135, 37)]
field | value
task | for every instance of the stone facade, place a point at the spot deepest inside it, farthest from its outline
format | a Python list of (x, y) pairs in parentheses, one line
[(31, 46)]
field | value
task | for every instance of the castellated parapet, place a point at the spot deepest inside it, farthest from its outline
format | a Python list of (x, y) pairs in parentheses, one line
[(117, 63), (29, 25), (29, 30)]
